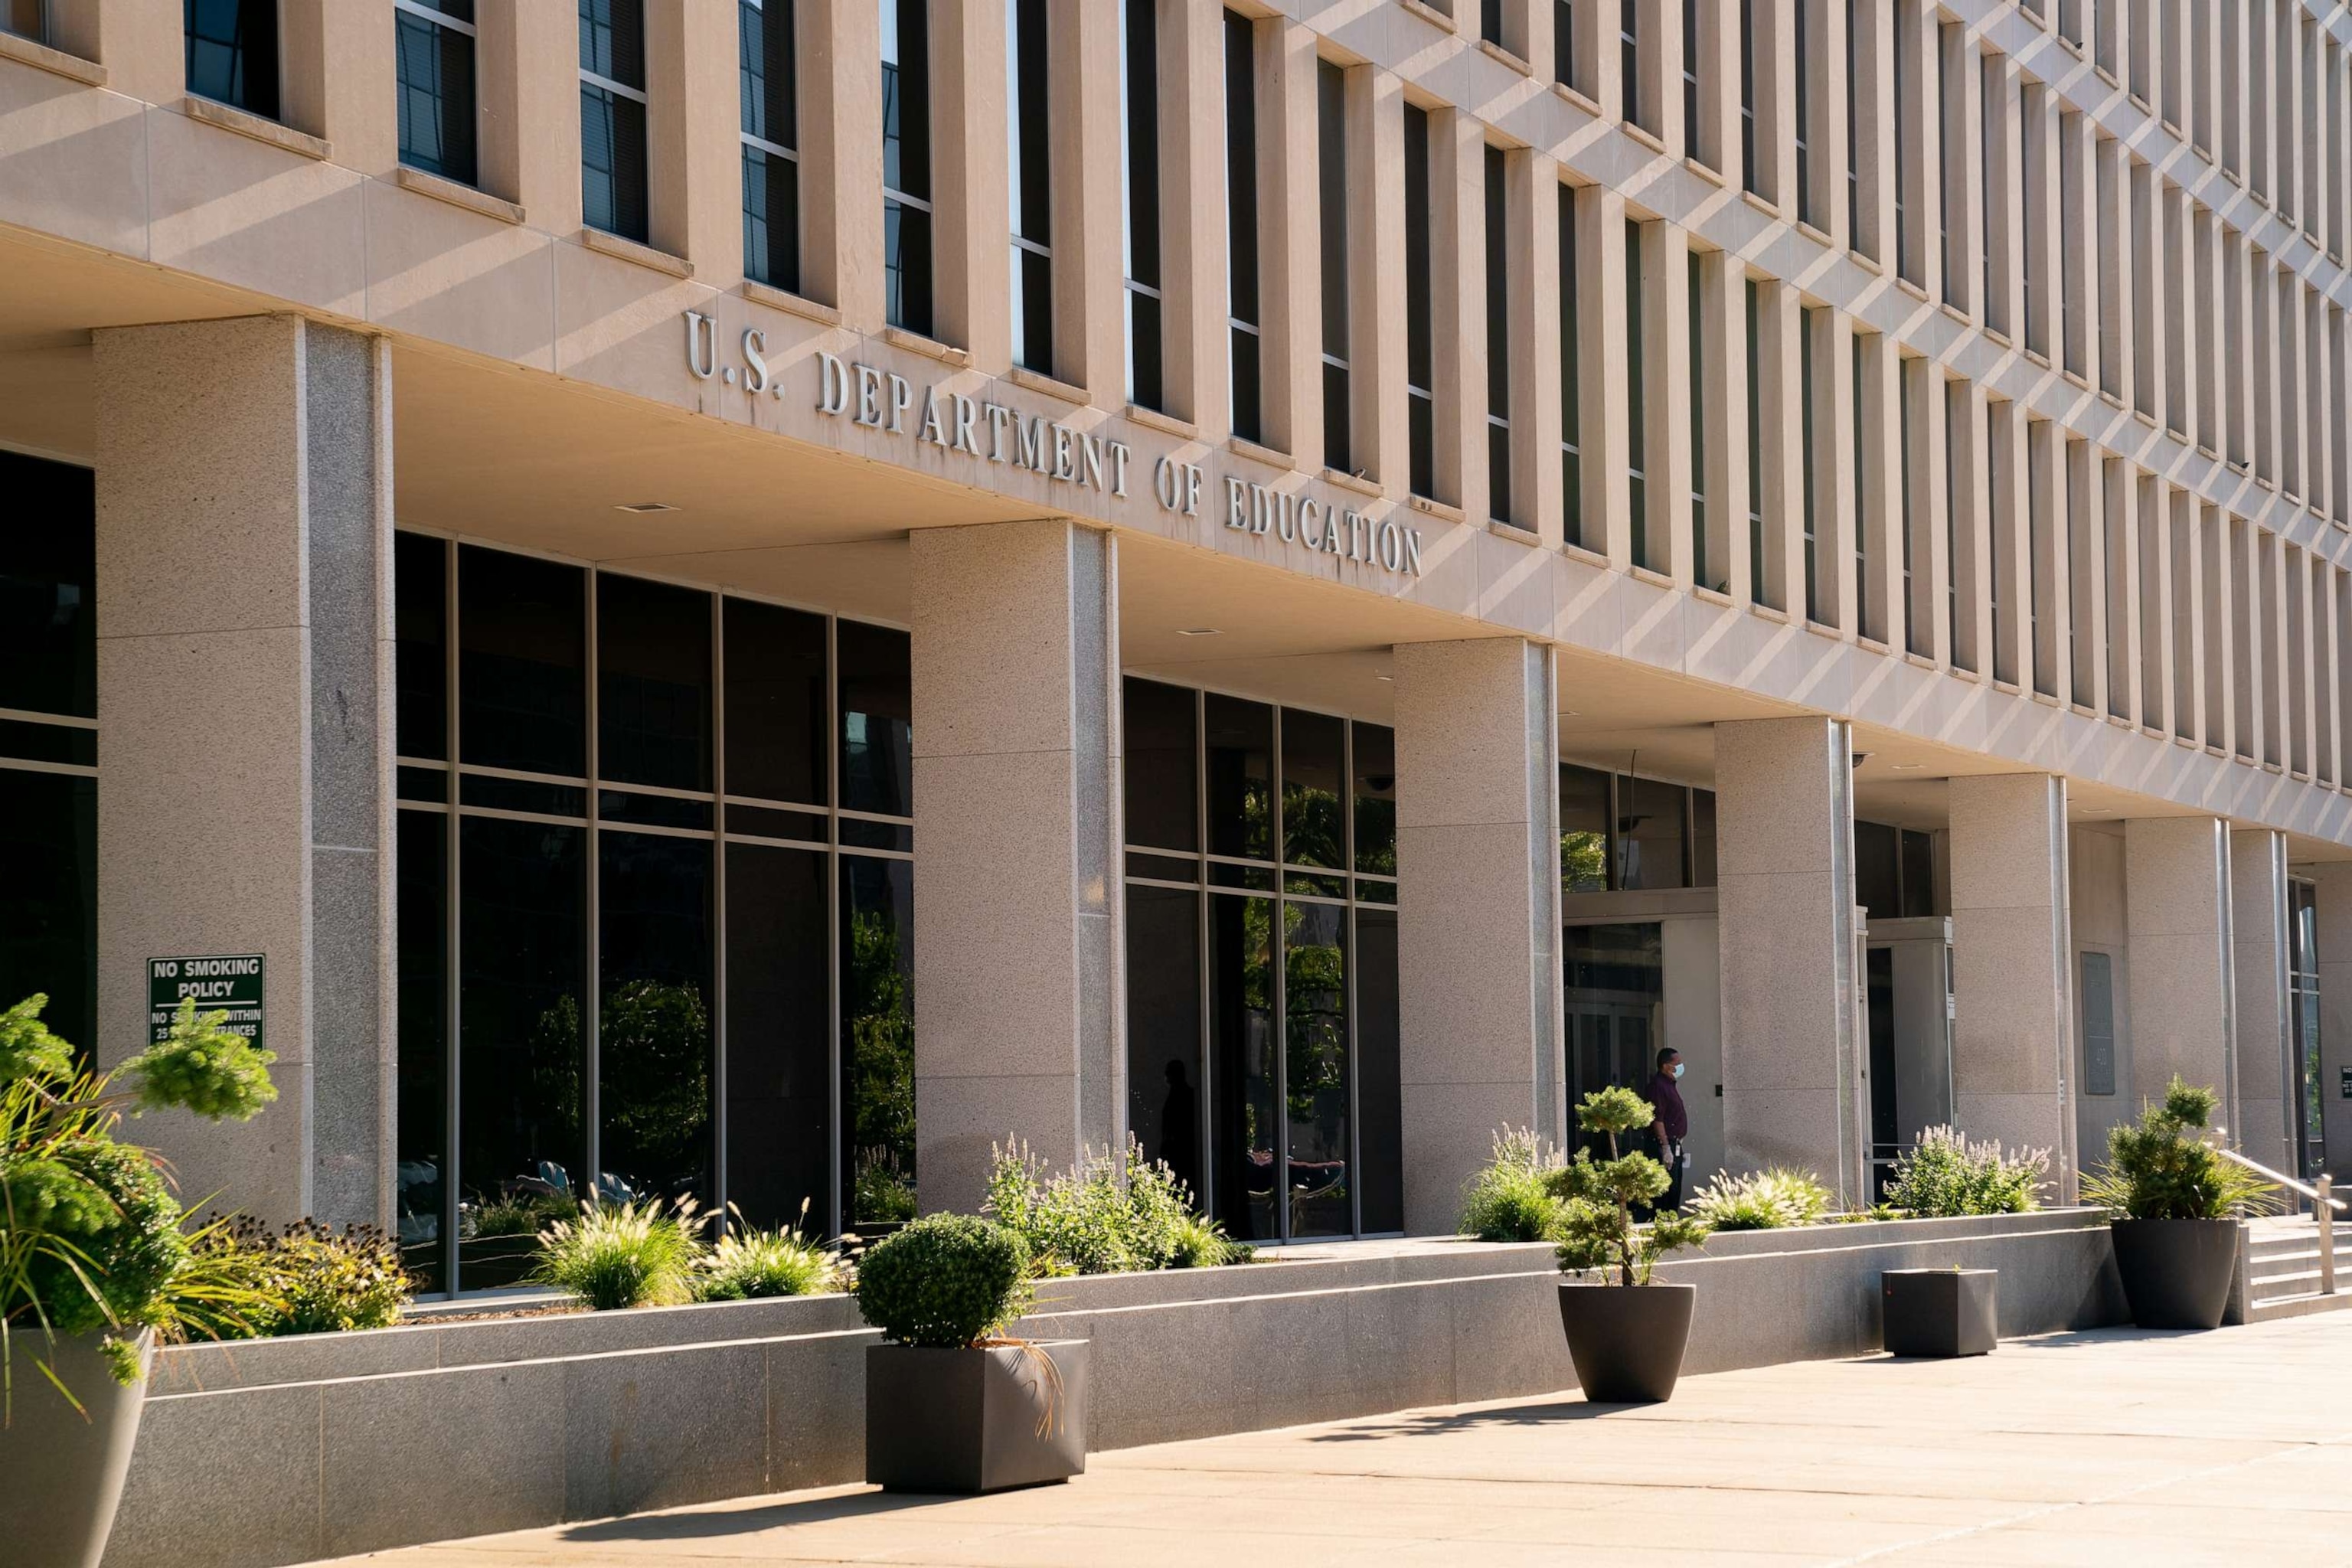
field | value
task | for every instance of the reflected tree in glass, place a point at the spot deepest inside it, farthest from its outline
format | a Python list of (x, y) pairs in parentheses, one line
[(1315, 1068), (653, 1041), (877, 1012)]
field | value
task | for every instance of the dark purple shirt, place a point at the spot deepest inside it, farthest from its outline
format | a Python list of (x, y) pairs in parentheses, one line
[(1667, 1101)]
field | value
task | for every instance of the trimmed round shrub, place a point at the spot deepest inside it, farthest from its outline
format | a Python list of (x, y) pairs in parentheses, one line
[(945, 1281)]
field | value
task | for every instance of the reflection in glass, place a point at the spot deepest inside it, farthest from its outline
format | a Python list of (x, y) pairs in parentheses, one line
[(1241, 1038), (876, 719), (1877, 877), (1616, 992), (1241, 777), (1314, 792), (1315, 1068), (49, 915), (1380, 1135), (653, 683), (1703, 873), (654, 1035), (1376, 800), (877, 1040), (1163, 1037), (776, 703), (1650, 833), (421, 1159), (1584, 830), (1160, 730), (421, 616), (779, 1053), (523, 964), (523, 690), (48, 571)]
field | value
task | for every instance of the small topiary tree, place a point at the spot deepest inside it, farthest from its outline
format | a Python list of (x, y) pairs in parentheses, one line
[(1596, 1224), (2161, 1169), (947, 1281)]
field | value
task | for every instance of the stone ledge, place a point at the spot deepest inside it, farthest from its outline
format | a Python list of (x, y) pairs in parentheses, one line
[(261, 128), (458, 193), (57, 62)]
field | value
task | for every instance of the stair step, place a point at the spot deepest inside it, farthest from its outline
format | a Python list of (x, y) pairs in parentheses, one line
[(2267, 1311)]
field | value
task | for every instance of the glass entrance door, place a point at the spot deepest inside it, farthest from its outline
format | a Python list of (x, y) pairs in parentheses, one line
[(2302, 1007), (1615, 986)]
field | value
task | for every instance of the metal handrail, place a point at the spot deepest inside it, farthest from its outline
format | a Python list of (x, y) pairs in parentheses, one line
[(2317, 1195), (2324, 1205)]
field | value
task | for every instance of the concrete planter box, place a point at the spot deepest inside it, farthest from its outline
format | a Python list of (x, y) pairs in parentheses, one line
[(1940, 1312), (975, 1420), (512, 1425)]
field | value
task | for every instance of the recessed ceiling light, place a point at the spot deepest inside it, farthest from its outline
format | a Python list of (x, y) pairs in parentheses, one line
[(1200, 631), (1388, 678), (645, 506), (1906, 767)]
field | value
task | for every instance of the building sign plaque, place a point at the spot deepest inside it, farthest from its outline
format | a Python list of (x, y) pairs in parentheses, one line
[(230, 984)]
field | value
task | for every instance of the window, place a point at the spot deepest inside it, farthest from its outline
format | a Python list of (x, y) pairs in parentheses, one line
[(1420, 376), (1490, 21), (1907, 40), (613, 117), (1241, 225), (1139, 86), (1853, 129), (1619, 833), (1811, 324), (1030, 157), (1946, 179), (1563, 42), (1919, 635), (1955, 455), (1571, 450), (24, 19), (1700, 565), (1747, 97), (1691, 145), (1261, 965), (232, 53), (1331, 159), (1807, 210), (906, 164), (1629, 46), (770, 89), (628, 948), (433, 46), (1759, 578), (1498, 338), (1636, 401), (1862, 497)]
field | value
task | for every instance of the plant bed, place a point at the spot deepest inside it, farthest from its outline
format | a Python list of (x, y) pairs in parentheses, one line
[(975, 1420), (1939, 1312)]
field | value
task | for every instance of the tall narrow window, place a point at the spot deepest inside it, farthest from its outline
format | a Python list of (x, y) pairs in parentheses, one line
[(907, 163), (1029, 154), (231, 52), (1563, 42), (1854, 130), (1490, 21), (772, 165), (1954, 399), (1807, 210), (1807, 326), (1748, 96), (1987, 117), (1690, 80), (1919, 635), (1420, 402), (1905, 44), (1757, 578), (433, 49), (1571, 450), (1331, 156), (1637, 483), (612, 116), (1947, 183), (1629, 53), (1700, 565), (1241, 224), (1860, 523), (1498, 339), (1139, 86)]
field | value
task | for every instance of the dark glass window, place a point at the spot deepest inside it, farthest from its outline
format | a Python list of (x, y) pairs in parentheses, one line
[(1314, 789), (1615, 995), (1163, 1041), (433, 44), (771, 131), (1331, 189), (1376, 839), (1702, 568), (1759, 579), (1877, 870), (1629, 46), (1030, 122), (24, 19), (1241, 777), (231, 52), (613, 117), (1315, 1069), (1571, 368), (1241, 1032), (1807, 212), (876, 705), (1690, 80), (1139, 82), (1420, 372), (1498, 337), (1748, 96), (1160, 732), (653, 683), (1242, 222), (777, 735), (1636, 397), (1380, 1112), (877, 1040), (421, 614), (779, 1049), (1563, 41), (1584, 824), (1918, 865), (1808, 324), (48, 568), (653, 1039), (1861, 494), (523, 690), (907, 163), (1490, 21), (1703, 870), (48, 922), (421, 1200), (1650, 849)]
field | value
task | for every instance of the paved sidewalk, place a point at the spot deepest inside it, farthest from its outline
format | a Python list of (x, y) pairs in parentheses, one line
[(2109, 1448)]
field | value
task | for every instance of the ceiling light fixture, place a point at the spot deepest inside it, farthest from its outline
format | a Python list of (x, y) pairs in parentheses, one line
[(1906, 767), (1200, 631), (645, 506)]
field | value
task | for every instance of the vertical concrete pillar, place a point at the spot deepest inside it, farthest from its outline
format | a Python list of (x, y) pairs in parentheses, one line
[(2013, 1015), (244, 683), (1016, 785), (1784, 825), (2332, 889), (2258, 929), (1478, 911), (2177, 897)]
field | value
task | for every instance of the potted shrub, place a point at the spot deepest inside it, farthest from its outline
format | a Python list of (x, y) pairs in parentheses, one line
[(951, 1404), (95, 1263), (1626, 1333), (2175, 1206), (1940, 1311)]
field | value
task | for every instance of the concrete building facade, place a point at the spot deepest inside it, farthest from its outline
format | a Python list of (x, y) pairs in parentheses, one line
[(1403, 559)]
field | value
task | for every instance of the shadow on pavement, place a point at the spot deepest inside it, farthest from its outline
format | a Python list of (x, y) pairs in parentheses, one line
[(1472, 1420), (749, 1520)]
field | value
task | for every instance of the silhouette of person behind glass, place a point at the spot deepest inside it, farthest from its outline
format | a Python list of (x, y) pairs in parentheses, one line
[(1180, 1130)]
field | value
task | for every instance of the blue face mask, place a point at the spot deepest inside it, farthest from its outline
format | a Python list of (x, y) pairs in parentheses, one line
[(1678, 1069)]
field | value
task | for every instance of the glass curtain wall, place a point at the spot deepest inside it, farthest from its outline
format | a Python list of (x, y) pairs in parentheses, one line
[(1619, 833), (1261, 897), (693, 809)]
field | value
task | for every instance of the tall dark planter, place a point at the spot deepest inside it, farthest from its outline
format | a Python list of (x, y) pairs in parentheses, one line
[(1627, 1341), (61, 1470), (2176, 1273), (975, 1420)]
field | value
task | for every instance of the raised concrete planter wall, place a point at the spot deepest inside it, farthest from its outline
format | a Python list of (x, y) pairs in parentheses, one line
[(280, 1452)]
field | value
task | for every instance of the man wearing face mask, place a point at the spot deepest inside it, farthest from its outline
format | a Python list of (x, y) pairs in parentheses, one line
[(1673, 1124)]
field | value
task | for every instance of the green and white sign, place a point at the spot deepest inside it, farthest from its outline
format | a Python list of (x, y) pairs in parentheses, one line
[(222, 984)]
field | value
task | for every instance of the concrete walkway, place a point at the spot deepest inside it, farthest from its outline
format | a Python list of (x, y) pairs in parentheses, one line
[(2105, 1448)]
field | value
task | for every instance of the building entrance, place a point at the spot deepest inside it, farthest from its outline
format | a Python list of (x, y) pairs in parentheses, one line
[(1908, 969)]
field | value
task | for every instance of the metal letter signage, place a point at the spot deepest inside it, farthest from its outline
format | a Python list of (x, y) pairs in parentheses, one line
[(230, 984)]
